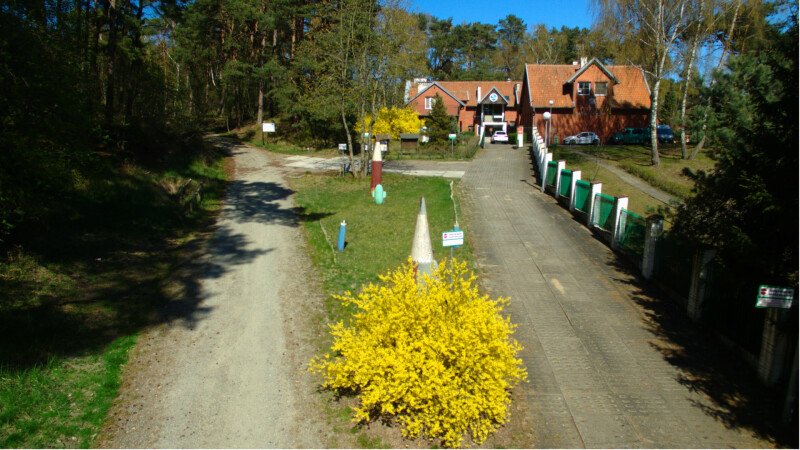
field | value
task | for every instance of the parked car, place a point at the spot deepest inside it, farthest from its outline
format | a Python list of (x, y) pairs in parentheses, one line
[(665, 134), (630, 136), (499, 136), (586, 137)]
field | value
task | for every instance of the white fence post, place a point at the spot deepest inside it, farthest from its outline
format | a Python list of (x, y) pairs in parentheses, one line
[(543, 170), (619, 222), (654, 226), (576, 175), (597, 188), (561, 166)]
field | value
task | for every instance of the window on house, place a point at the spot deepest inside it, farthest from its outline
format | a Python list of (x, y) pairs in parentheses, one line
[(584, 87), (429, 102), (601, 88)]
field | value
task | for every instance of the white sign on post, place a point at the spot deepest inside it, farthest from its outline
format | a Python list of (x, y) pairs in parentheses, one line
[(268, 127), (342, 147), (451, 136), (452, 238), (774, 297)]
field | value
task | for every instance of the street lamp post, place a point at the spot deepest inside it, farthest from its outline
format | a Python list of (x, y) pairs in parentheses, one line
[(549, 121), (547, 116)]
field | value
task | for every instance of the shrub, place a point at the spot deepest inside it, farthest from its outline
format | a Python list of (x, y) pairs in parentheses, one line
[(438, 357)]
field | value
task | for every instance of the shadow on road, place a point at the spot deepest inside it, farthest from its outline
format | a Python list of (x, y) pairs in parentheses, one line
[(738, 398)]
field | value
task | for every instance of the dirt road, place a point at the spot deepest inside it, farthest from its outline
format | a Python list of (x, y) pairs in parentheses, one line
[(228, 367)]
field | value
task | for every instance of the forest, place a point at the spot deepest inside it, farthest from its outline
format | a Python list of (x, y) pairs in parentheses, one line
[(88, 84)]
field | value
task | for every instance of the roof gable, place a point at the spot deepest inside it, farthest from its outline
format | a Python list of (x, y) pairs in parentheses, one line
[(467, 91), (599, 65), (486, 97), (546, 82), (435, 83)]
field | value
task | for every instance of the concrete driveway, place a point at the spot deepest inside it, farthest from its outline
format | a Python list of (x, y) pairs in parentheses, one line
[(600, 375)]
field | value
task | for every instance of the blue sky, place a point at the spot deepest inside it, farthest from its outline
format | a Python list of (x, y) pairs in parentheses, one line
[(553, 13)]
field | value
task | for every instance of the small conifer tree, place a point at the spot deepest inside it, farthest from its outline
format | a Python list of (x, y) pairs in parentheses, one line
[(439, 124)]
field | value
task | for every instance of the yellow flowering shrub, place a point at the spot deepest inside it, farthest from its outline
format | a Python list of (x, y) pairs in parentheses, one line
[(436, 356)]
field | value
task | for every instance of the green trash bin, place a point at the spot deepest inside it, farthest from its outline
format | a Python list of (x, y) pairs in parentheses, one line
[(555, 139)]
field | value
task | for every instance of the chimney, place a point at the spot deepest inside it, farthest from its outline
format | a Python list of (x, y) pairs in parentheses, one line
[(584, 60), (478, 98)]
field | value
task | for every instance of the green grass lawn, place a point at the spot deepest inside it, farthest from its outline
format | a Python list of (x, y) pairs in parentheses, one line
[(667, 176), (73, 300), (379, 237), (635, 159)]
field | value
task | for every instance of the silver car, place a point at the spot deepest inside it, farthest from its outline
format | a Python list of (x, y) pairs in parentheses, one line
[(586, 137)]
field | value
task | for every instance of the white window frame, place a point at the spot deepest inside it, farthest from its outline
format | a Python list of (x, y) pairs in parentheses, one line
[(588, 88), (429, 101), (596, 83)]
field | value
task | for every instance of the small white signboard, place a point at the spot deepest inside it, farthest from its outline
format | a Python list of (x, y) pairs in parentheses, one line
[(452, 238), (268, 127), (451, 136), (342, 147), (774, 297)]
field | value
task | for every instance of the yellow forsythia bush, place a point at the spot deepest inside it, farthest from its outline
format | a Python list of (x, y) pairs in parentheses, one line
[(437, 356)]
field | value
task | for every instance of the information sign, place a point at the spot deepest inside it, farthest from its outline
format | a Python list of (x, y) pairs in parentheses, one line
[(451, 136), (452, 238), (774, 297), (268, 127), (342, 147)]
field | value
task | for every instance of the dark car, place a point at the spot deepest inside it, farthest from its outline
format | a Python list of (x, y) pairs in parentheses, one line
[(630, 136), (665, 134)]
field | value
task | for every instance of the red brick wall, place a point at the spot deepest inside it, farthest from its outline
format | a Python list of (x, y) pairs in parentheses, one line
[(567, 122)]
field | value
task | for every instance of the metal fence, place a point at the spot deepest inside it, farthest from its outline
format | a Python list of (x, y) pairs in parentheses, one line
[(630, 236), (566, 183), (673, 264), (583, 189), (550, 178), (603, 212)]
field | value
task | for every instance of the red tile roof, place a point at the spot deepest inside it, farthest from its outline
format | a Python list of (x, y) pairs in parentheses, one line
[(547, 82), (467, 91)]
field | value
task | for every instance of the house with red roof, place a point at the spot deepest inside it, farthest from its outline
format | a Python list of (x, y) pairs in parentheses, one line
[(476, 105), (589, 96)]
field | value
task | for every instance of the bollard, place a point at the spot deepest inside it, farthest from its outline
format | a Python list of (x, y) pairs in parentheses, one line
[(379, 194), (342, 232), (377, 168), (421, 248)]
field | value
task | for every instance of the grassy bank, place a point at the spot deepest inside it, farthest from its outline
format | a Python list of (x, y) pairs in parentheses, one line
[(668, 176), (74, 295), (379, 238)]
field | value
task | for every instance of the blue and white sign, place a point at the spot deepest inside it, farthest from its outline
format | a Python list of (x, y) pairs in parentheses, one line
[(452, 238), (493, 97)]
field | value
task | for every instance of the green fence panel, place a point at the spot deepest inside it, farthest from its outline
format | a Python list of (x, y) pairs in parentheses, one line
[(631, 233), (582, 190), (550, 179), (566, 182), (603, 212)]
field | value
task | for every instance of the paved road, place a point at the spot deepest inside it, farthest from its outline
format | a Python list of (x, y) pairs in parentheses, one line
[(228, 368), (597, 376)]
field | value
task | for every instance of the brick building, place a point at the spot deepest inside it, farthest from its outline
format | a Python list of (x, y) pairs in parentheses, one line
[(475, 104), (589, 96)]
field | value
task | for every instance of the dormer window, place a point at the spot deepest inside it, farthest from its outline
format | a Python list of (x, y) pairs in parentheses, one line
[(429, 102), (584, 88)]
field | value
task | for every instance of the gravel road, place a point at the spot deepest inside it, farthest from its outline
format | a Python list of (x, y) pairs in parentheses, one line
[(227, 369)]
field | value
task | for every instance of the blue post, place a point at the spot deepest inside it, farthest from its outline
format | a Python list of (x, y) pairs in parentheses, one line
[(342, 232)]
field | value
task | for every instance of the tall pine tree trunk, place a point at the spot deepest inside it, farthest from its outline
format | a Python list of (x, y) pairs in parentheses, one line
[(111, 53)]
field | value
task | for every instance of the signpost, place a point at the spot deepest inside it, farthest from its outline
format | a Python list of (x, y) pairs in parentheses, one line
[(266, 127), (452, 138), (774, 297), (453, 238)]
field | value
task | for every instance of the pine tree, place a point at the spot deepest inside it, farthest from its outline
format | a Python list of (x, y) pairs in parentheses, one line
[(439, 124)]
